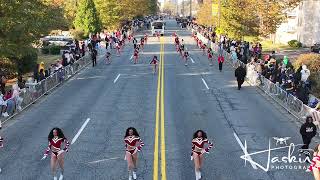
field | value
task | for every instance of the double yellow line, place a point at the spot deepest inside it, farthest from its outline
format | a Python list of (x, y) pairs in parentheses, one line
[(160, 117)]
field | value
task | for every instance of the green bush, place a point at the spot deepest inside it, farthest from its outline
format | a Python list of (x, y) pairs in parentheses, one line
[(295, 43), (54, 50), (311, 60), (45, 50)]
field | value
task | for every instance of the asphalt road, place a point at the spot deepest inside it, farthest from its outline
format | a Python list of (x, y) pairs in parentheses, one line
[(111, 98)]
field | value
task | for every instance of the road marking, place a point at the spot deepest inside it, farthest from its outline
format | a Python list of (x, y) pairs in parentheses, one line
[(131, 57), (204, 82), (156, 133), (102, 160), (244, 149), (192, 60), (163, 143), (80, 130), (115, 80)]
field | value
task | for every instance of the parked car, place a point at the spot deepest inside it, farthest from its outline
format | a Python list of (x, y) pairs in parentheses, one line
[(315, 48)]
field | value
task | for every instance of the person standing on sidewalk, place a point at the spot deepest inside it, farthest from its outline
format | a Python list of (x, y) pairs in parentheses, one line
[(1, 142), (240, 74), (308, 130)]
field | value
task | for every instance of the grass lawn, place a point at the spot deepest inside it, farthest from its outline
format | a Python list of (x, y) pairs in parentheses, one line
[(48, 59), (267, 45)]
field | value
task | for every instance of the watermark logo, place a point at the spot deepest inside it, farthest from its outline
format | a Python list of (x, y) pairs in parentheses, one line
[(281, 157)]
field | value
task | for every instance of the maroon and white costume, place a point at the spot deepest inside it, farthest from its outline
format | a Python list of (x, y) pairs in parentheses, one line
[(55, 146), (198, 145), (133, 144)]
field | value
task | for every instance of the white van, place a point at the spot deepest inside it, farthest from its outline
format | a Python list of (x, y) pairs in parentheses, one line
[(157, 26)]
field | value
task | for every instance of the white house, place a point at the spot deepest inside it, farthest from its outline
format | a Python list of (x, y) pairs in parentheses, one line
[(302, 24)]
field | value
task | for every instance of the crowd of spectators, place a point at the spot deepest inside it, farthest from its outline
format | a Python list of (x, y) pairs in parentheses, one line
[(278, 71)]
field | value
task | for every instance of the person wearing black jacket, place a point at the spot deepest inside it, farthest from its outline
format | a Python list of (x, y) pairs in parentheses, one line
[(94, 54), (308, 130), (240, 74)]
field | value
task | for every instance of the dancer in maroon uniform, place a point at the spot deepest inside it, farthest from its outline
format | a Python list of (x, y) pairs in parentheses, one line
[(154, 63), (56, 138), (133, 145), (198, 149)]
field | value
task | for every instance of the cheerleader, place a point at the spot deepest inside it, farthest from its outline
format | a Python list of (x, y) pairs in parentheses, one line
[(154, 63), (210, 56), (118, 47), (136, 55), (203, 47), (133, 145), (129, 37), (146, 37), (186, 57), (314, 167), (198, 149), (56, 138), (142, 44), (158, 35)]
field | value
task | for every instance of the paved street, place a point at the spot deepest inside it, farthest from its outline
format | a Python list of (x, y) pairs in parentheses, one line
[(111, 98)]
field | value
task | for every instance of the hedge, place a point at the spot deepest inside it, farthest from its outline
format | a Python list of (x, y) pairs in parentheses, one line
[(295, 43), (312, 61)]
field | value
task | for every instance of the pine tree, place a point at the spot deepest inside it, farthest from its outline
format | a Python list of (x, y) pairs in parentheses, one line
[(87, 18)]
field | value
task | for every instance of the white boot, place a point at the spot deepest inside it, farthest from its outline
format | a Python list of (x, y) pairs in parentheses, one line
[(55, 178), (61, 177), (130, 177), (197, 175), (199, 172), (134, 175)]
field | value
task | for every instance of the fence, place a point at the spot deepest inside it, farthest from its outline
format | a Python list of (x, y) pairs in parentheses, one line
[(285, 99), (34, 91)]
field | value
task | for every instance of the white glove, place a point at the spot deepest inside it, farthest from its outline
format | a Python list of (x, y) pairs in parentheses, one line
[(204, 151), (44, 157)]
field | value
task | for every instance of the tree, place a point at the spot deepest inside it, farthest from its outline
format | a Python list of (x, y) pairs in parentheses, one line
[(22, 23), (87, 18), (253, 18), (169, 8), (204, 16), (109, 13)]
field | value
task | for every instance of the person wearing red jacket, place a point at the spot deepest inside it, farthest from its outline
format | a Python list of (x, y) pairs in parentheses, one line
[(133, 145), (220, 61)]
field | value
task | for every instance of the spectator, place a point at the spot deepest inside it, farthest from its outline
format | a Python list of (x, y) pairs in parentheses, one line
[(41, 66), (16, 96), (36, 73), (9, 101), (42, 75), (305, 73), (3, 81), (308, 130), (21, 82), (3, 106)]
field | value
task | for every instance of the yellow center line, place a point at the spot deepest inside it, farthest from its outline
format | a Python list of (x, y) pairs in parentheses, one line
[(160, 113), (156, 134), (163, 144)]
